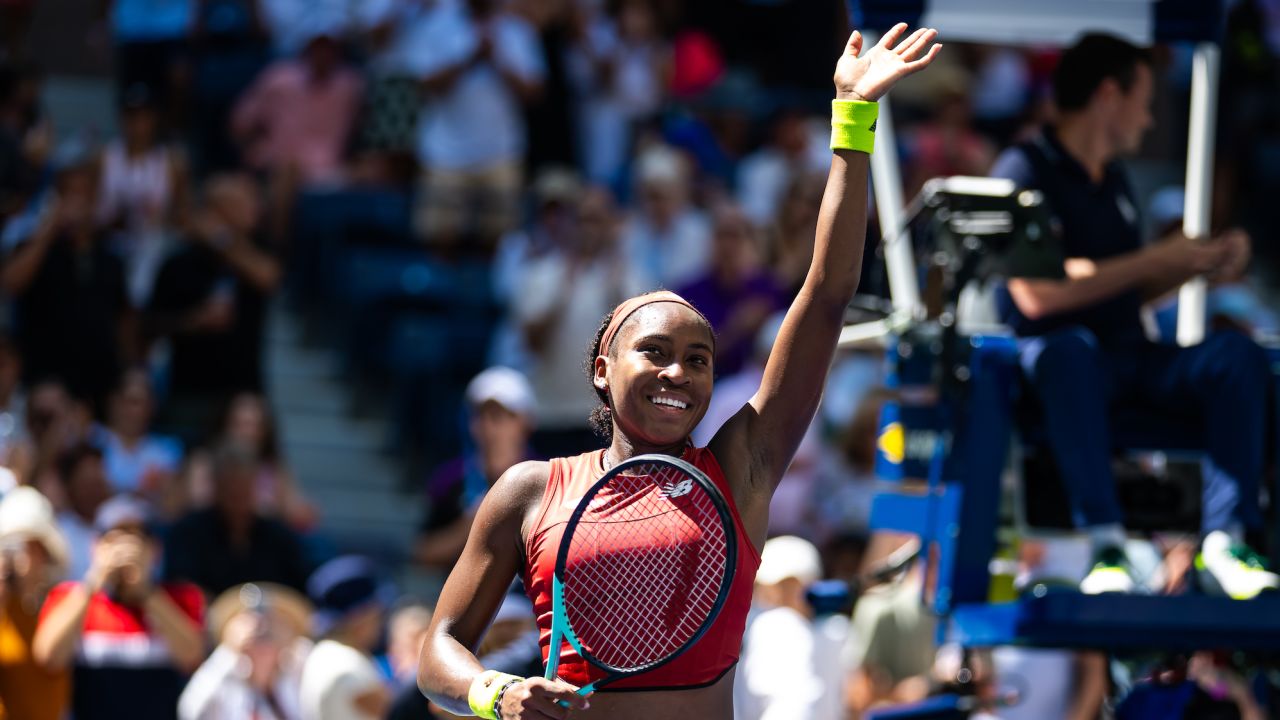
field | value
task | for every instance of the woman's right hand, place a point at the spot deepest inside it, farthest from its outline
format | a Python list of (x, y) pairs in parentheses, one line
[(104, 569), (538, 699)]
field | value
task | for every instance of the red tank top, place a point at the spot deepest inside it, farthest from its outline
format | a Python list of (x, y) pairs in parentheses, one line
[(701, 665)]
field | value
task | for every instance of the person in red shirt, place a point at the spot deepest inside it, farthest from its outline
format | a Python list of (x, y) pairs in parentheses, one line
[(131, 643), (652, 366)]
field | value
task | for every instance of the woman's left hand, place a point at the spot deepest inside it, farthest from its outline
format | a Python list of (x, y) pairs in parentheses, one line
[(872, 75)]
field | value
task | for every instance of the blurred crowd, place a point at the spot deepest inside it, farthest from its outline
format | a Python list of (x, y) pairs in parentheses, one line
[(158, 553)]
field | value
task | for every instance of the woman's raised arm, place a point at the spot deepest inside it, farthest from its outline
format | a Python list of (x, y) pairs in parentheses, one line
[(769, 428)]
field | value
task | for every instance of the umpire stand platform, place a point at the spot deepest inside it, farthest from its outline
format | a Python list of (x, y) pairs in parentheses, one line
[(948, 434), (955, 437)]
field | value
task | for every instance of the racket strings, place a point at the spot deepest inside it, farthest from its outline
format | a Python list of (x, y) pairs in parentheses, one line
[(646, 565)]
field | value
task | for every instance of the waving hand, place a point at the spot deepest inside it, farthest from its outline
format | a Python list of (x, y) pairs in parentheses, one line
[(871, 75)]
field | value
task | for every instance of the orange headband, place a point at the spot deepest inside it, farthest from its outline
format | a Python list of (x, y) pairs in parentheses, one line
[(628, 307)]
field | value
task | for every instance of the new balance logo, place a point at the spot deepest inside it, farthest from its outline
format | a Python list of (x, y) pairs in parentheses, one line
[(675, 490)]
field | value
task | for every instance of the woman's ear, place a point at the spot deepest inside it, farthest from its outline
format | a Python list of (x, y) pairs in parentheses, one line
[(601, 377)]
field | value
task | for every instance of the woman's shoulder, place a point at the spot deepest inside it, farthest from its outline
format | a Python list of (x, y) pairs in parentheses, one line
[(523, 482)]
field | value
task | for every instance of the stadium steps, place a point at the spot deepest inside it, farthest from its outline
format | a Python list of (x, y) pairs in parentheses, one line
[(341, 460)]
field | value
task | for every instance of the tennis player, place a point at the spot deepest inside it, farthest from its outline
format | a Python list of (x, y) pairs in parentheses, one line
[(652, 367)]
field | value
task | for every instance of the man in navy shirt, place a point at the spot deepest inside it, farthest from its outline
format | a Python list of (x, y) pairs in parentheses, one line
[(1083, 347)]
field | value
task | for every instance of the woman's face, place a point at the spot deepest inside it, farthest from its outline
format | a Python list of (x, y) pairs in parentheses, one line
[(131, 409), (247, 423), (140, 126), (660, 376)]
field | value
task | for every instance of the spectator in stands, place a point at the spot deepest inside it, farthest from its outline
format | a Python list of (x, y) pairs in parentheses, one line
[(210, 301), (340, 680), (790, 665), (248, 423), (138, 461), (64, 277), (57, 421), (765, 177), (143, 192), (131, 643), (388, 125), (1003, 89), (737, 293), (24, 139), (1205, 685), (1083, 346), (295, 122), (292, 23), (229, 49), (150, 37), (501, 408), (559, 299), (790, 239), (891, 643), (623, 63), (232, 542), (33, 556), (1067, 684), (479, 64), (256, 669), (843, 499), (510, 645), (556, 192), (82, 489), (13, 405), (406, 632), (666, 239), (947, 143)]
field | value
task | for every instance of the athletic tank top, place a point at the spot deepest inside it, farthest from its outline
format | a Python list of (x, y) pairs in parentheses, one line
[(714, 654), (139, 187)]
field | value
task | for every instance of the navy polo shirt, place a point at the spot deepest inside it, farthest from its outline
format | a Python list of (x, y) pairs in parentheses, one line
[(1098, 220)]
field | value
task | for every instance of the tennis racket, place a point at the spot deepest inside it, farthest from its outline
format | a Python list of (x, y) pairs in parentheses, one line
[(644, 567)]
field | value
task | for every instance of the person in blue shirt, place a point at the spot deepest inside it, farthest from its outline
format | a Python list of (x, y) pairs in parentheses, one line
[(1083, 347)]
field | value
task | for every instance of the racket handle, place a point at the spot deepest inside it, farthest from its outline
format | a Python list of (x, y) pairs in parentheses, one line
[(584, 690)]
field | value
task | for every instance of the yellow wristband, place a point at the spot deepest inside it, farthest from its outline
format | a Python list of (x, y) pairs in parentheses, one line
[(484, 691), (853, 125)]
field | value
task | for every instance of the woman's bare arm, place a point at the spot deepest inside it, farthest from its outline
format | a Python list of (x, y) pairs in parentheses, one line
[(494, 553), (767, 431)]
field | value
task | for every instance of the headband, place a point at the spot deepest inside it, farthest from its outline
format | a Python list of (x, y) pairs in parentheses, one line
[(628, 307)]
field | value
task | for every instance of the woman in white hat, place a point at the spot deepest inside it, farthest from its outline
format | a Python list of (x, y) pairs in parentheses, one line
[(33, 556), (256, 670)]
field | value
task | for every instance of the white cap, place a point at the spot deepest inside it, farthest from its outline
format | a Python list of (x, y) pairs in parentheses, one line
[(502, 385), (788, 556), (25, 514), (660, 165), (121, 510)]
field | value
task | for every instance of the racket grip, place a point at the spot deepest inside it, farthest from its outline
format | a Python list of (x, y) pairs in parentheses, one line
[(584, 690)]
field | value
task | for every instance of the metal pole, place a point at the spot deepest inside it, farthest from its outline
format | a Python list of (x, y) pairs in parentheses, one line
[(1199, 189), (886, 178)]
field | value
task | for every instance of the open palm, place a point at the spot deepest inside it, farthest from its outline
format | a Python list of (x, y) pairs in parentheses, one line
[(893, 58)]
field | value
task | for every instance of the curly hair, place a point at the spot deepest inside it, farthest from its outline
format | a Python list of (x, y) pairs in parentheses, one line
[(601, 417)]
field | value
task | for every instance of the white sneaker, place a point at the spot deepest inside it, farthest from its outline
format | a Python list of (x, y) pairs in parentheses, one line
[(1111, 573), (1225, 567)]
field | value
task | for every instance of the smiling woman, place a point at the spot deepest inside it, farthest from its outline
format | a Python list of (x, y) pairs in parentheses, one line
[(652, 367), (657, 332)]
